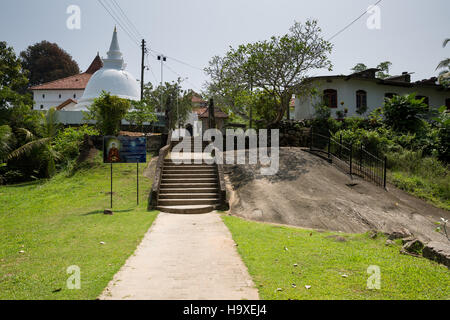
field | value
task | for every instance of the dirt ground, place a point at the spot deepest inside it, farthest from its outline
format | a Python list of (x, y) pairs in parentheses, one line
[(309, 192)]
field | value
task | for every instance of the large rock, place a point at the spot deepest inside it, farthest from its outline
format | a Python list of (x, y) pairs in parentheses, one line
[(438, 251), (413, 247), (399, 233)]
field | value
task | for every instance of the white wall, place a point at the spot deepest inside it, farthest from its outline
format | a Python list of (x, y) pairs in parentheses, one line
[(52, 98), (346, 92)]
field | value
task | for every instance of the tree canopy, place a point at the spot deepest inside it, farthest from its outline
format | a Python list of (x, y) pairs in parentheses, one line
[(383, 66), (13, 79), (47, 62), (276, 66)]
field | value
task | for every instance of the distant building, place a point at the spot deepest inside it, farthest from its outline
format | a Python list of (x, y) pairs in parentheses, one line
[(72, 95), (363, 89)]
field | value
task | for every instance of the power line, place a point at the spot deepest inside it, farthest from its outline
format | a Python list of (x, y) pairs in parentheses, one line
[(351, 23), (130, 23), (180, 61), (179, 75), (134, 39)]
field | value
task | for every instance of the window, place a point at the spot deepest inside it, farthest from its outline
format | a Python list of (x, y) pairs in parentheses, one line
[(330, 98), (60, 96), (361, 100), (42, 106), (43, 96), (74, 96), (447, 103), (390, 95)]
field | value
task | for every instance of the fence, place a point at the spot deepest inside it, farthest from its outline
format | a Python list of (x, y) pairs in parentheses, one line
[(353, 159)]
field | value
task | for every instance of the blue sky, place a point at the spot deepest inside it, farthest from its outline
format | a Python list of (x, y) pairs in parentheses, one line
[(193, 31)]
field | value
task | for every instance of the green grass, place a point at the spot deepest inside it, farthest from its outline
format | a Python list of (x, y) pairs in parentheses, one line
[(322, 261), (60, 222), (435, 190)]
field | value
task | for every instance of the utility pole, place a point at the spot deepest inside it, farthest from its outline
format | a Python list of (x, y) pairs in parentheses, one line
[(162, 58), (144, 50), (251, 103)]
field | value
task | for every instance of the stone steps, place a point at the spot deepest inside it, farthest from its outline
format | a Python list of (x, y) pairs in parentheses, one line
[(188, 188)]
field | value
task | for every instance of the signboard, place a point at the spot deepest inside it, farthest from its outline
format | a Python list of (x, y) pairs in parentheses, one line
[(124, 149)]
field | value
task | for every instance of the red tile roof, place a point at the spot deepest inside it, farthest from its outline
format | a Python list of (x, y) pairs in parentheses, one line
[(65, 103), (76, 82), (204, 113)]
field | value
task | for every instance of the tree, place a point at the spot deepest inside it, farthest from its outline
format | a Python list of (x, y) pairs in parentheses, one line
[(383, 66), (384, 69), (47, 62), (405, 113), (108, 111), (141, 113), (41, 145), (174, 98), (277, 66), (359, 67), (444, 66), (13, 79)]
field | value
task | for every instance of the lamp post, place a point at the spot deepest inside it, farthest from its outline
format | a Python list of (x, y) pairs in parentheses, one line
[(162, 58)]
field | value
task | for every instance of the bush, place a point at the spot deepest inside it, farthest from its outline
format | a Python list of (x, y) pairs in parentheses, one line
[(68, 141), (405, 113)]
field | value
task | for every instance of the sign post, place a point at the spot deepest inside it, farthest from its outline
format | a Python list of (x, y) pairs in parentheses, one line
[(124, 149)]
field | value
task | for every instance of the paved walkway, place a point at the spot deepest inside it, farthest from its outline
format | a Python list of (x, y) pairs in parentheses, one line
[(184, 257)]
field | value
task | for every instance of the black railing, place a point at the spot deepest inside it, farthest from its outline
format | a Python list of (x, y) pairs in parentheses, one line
[(353, 159)]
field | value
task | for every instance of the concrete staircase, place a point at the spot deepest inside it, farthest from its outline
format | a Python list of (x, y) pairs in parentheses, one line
[(188, 188)]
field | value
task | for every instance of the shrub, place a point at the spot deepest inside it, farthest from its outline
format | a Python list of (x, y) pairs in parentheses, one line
[(108, 111), (405, 113), (68, 141)]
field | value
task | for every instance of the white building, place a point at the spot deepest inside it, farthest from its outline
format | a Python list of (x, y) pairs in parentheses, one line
[(74, 94), (363, 89)]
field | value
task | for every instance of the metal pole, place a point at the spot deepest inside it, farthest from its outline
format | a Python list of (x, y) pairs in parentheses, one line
[(385, 171), (351, 158), (251, 104), (329, 146), (311, 139), (111, 184), (137, 181)]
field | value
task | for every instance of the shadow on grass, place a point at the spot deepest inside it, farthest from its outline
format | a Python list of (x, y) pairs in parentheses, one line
[(101, 212)]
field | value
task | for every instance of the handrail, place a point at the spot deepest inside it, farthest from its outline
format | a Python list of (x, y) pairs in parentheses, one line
[(359, 160), (154, 193)]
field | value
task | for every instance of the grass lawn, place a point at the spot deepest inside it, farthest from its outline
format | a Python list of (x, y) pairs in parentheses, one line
[(322, 260), (60, 222)]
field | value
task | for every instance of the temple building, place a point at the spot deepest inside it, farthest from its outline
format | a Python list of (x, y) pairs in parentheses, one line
[(76, 93)]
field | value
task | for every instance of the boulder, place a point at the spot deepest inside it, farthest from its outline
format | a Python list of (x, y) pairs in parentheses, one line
[(413, 247), (438, 251), (390, 243), (400, 233)]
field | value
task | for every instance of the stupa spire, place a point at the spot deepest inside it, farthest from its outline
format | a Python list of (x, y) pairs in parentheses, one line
[(114, 56)]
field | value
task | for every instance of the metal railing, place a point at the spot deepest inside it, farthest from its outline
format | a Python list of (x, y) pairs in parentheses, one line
[(354, 159)]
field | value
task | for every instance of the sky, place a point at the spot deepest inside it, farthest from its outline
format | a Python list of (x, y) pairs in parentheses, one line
[(410, 32)]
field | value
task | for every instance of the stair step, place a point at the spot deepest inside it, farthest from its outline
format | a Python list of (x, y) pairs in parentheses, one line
[(188, 180), (190, 168), (192, 209), (189, 175), (188, 190), (178, 202), (188, 185), (193, 171), (188, 196)]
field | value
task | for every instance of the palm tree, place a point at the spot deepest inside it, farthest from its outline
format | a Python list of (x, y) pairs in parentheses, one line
[(5, 142), (444, 75), (49, 128)]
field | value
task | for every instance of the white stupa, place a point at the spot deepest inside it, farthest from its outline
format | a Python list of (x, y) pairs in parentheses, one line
[(111, 78)]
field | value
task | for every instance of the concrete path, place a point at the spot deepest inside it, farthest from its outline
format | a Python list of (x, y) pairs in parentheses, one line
[(184, 257)]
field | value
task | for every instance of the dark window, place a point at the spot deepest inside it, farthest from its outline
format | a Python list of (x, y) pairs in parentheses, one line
[(42, 106), (60, 96), (425, 99), (43, 96), (74, 96), (447, 103), (390, 95), (330, 98), (361, 99)]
